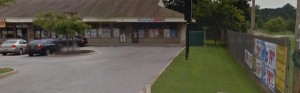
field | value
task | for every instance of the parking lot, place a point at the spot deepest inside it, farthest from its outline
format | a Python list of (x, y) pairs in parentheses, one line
[(125, 69)]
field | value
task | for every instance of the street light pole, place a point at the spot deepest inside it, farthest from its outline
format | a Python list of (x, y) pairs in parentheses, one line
[(296, 79), (252, 17), (188, 18)]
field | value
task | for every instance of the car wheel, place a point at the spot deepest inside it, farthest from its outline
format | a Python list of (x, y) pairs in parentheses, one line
[(30, 54), (4, 54), (21, 51)]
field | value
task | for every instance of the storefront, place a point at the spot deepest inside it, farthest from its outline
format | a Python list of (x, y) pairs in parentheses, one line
[(135, 33), (162, 26)]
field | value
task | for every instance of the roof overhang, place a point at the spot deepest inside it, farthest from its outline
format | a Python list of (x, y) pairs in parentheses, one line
[(141, 20)]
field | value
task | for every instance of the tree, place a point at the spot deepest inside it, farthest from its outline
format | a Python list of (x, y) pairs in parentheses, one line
[(287, 12), (291, 25), (61, 24), (4, 3), (276, 24), (216, 15), (219, 15), (177, 5)]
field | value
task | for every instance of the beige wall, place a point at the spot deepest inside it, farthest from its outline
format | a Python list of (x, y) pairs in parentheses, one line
[(183, 33)]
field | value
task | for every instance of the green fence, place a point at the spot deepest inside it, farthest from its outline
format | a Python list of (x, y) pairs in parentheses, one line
[(197, 38)]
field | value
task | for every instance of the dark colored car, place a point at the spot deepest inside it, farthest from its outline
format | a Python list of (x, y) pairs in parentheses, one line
[(43, 47), (76, 40)]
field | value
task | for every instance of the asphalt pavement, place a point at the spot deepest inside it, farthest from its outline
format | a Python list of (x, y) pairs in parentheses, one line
[(118, 69)]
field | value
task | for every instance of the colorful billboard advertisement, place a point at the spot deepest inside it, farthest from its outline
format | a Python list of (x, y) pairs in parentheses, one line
[(266, 53), (248, 59), (281, 66), (257, 67)]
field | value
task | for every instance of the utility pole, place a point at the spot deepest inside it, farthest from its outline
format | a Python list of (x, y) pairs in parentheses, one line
[(296, 81), (252, 17)]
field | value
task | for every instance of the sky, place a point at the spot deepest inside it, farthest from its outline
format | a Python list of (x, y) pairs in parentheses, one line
[(275, 3)]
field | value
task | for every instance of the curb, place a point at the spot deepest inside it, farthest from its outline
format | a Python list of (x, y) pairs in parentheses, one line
[(130, 44), (149, 86), (8, 73)]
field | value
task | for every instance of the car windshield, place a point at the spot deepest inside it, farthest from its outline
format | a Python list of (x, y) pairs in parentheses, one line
[(10, 42), (36, 42)]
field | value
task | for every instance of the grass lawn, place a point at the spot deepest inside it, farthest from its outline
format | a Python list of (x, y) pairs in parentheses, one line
[(210, 69), (4, 70)]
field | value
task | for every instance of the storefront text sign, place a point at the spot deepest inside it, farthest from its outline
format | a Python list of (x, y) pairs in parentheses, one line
[(2, 23), (151, 20)]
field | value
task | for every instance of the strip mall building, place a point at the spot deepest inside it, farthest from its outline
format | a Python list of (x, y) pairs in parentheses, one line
[(112, 21)]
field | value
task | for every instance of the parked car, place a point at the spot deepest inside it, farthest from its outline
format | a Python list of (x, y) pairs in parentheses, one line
[(18, 46), (43, 47), (76, 40)]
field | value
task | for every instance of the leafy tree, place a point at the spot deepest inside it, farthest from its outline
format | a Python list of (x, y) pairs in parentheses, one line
[(61, 24), (276, 24), (287, 12), (291, 25), (216, 15), (4, 3), (177, 5)]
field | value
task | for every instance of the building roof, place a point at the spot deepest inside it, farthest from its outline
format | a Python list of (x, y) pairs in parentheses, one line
[(91, 8)]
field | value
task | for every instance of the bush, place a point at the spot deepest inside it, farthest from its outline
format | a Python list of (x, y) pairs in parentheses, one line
[(276, 25)]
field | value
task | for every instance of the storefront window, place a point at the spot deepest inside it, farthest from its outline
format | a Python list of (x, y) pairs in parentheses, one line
[(19, 33), (170, 30), (173, 33), (87, 34), (7, 33), (167, 33), (100, 32), (116, 32), (157, 33), (141, 33), (106, 32), (40, 33), (151, 33), (93, 33)]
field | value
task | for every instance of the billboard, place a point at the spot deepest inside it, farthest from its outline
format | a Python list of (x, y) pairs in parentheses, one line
[(281, 68), (248, 59), (266, 53)]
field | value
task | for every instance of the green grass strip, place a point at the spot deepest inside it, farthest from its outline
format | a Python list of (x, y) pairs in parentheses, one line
[(210, 69)]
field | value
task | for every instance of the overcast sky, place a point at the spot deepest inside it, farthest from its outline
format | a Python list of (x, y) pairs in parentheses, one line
[(274, 3)]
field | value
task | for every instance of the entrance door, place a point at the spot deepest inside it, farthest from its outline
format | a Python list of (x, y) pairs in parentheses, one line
[(22, 33), (122, 37), (135, 36), (25, 34)]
